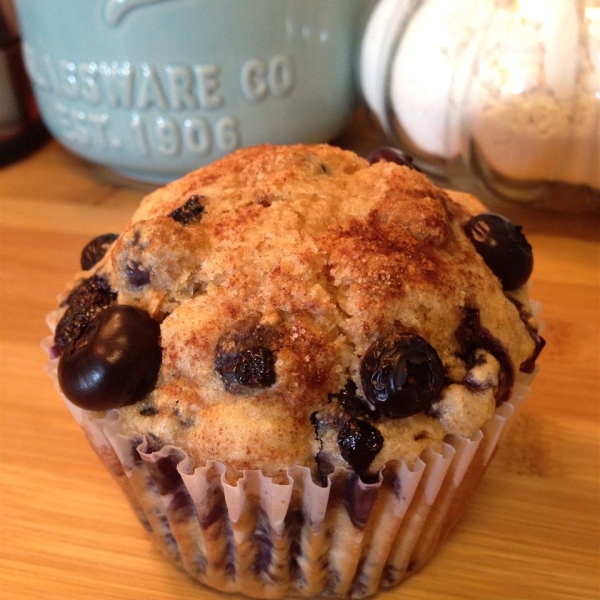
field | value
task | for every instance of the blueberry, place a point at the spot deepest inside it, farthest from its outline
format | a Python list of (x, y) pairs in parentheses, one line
[(401, 375), (359, 443), (84, 302), (503, 247), (137, 276), (252, 367), (190, 212), (528, 365), (114, 362), (95, 250), (471, 335), (353, 404), (393, 155)]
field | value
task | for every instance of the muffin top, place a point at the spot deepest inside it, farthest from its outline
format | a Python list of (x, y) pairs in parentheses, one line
[(300, 305)]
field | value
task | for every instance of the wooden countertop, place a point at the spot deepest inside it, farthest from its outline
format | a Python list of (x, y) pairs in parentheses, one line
[(531, 531)]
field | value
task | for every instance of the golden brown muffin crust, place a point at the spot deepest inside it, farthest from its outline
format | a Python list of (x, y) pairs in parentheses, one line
[(310, 252)]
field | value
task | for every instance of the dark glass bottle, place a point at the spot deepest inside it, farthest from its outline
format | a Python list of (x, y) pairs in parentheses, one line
[(21, 128)]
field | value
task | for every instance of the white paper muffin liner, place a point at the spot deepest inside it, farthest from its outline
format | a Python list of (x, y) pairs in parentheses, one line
[(269, 540)]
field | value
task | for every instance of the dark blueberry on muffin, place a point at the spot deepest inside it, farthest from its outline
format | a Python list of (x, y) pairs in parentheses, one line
[(252, 367), (503, 247), (114, 362), (471, 336), (95, 250), (353, 404), (190, 212), (89, 298), (401, 375), (359, 444), (137, 276)]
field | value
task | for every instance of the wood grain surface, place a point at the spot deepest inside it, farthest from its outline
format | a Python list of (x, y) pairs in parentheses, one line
[(531, 531)]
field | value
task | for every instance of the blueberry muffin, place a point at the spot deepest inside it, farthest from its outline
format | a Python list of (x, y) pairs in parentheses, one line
[(289, 357)]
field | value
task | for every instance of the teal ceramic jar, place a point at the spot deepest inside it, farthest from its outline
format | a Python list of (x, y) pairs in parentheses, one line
[(156, 88)]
